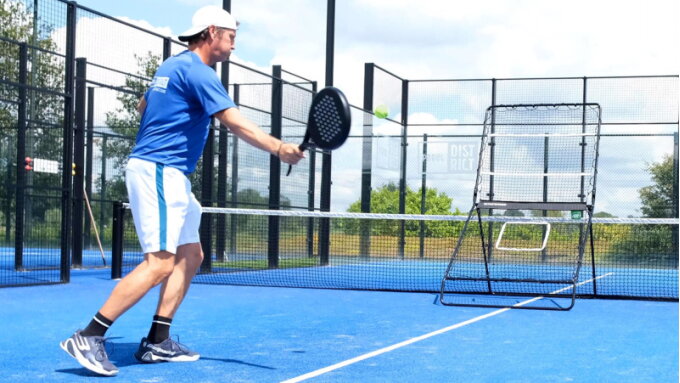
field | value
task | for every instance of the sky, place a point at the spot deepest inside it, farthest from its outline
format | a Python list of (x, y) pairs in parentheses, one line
[(439, 39)]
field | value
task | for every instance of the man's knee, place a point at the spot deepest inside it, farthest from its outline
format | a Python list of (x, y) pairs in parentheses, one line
[(161, 265), (192, 252)]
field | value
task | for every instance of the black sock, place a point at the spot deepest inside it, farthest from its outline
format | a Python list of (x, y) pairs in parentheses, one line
[(160, 329), (98, 326)]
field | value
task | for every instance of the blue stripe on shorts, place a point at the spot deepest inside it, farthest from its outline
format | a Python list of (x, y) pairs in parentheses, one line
[(162, 208)]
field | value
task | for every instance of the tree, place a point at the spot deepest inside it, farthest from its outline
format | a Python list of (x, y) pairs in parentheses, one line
[(653, 245), (658, 199), (44, 111), (386, 200), (124, 122), (251, 198)]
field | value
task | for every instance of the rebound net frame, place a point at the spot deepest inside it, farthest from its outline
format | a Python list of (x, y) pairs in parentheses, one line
[(538, 160)]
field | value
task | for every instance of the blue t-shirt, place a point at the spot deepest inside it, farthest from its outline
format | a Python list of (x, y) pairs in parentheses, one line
[(181, 99)]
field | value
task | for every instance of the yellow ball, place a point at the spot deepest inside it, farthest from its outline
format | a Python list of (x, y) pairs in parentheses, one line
[(381, 111)]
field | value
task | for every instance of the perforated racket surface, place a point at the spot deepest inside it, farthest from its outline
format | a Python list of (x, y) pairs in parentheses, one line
[(329, 121)]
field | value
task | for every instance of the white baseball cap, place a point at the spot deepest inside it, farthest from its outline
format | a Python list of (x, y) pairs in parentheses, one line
[(207, 16)]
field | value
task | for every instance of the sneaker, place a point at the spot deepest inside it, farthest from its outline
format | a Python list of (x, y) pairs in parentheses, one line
[(90, 352), (166, 351)]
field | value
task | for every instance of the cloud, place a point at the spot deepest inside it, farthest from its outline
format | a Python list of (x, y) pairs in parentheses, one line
[(445, 39), (199, 3)]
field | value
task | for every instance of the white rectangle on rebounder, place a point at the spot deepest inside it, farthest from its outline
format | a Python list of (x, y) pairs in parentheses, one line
[(543, 245)]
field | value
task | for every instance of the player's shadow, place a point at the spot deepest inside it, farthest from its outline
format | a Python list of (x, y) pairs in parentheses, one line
[(122, 355), (235, 361)]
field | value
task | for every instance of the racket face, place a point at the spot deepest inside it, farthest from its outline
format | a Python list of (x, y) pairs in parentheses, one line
[(329, 119)]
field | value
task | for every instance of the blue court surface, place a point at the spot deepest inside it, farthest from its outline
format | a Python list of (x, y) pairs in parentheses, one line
[(265, 334)]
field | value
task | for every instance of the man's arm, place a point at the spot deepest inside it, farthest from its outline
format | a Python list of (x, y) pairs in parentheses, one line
[(141, 105), (252, 134)]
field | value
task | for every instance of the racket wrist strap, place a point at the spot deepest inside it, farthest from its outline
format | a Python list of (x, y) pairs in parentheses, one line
[(278, 150)]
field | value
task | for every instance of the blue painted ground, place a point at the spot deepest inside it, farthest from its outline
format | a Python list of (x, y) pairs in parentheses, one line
[(42, 266), (263, 334)]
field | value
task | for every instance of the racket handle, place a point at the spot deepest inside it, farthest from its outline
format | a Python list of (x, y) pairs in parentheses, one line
[(303, 146)]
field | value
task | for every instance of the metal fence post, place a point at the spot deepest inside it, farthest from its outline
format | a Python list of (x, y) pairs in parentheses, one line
[(78, 164), (88, 159), (21, 155), (275, 169), (492, 143), (367, 161), (327, 164), (402, 166), (582, 195), (67, 153), (423, 196), (117, 232), (102, 181), (546, 162), (222, 162), (311, 186), (233, 226), (167, 48), (675, 192), (207, 199)]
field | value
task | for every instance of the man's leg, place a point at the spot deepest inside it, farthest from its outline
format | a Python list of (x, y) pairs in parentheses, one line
[(155, 268), (88, 349), (158, 346), (175, 287)]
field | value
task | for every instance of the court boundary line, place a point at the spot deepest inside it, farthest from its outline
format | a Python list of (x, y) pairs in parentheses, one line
[(407, 342)]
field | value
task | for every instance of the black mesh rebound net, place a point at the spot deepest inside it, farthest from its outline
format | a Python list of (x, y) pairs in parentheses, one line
[(536, 160)]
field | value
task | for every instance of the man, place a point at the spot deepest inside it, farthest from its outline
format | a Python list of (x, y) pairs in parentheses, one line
[(176, 111)]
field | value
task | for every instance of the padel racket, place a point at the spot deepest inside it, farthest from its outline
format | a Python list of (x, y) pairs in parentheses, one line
[(329, 121)]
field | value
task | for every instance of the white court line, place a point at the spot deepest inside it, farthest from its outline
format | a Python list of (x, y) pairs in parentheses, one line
[(359, 358)]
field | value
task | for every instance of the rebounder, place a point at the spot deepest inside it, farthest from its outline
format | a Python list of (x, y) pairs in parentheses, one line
[(523, 243)]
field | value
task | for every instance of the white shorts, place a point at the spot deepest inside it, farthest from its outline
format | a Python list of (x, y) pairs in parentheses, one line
[(165, 211)]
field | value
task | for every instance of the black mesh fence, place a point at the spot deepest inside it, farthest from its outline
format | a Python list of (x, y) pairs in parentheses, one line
[(81, 81), (632, 258)]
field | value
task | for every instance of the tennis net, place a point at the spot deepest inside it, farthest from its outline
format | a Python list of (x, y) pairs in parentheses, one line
[(392, 252)]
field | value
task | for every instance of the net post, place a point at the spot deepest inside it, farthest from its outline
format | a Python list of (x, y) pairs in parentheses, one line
[(117, 240)]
